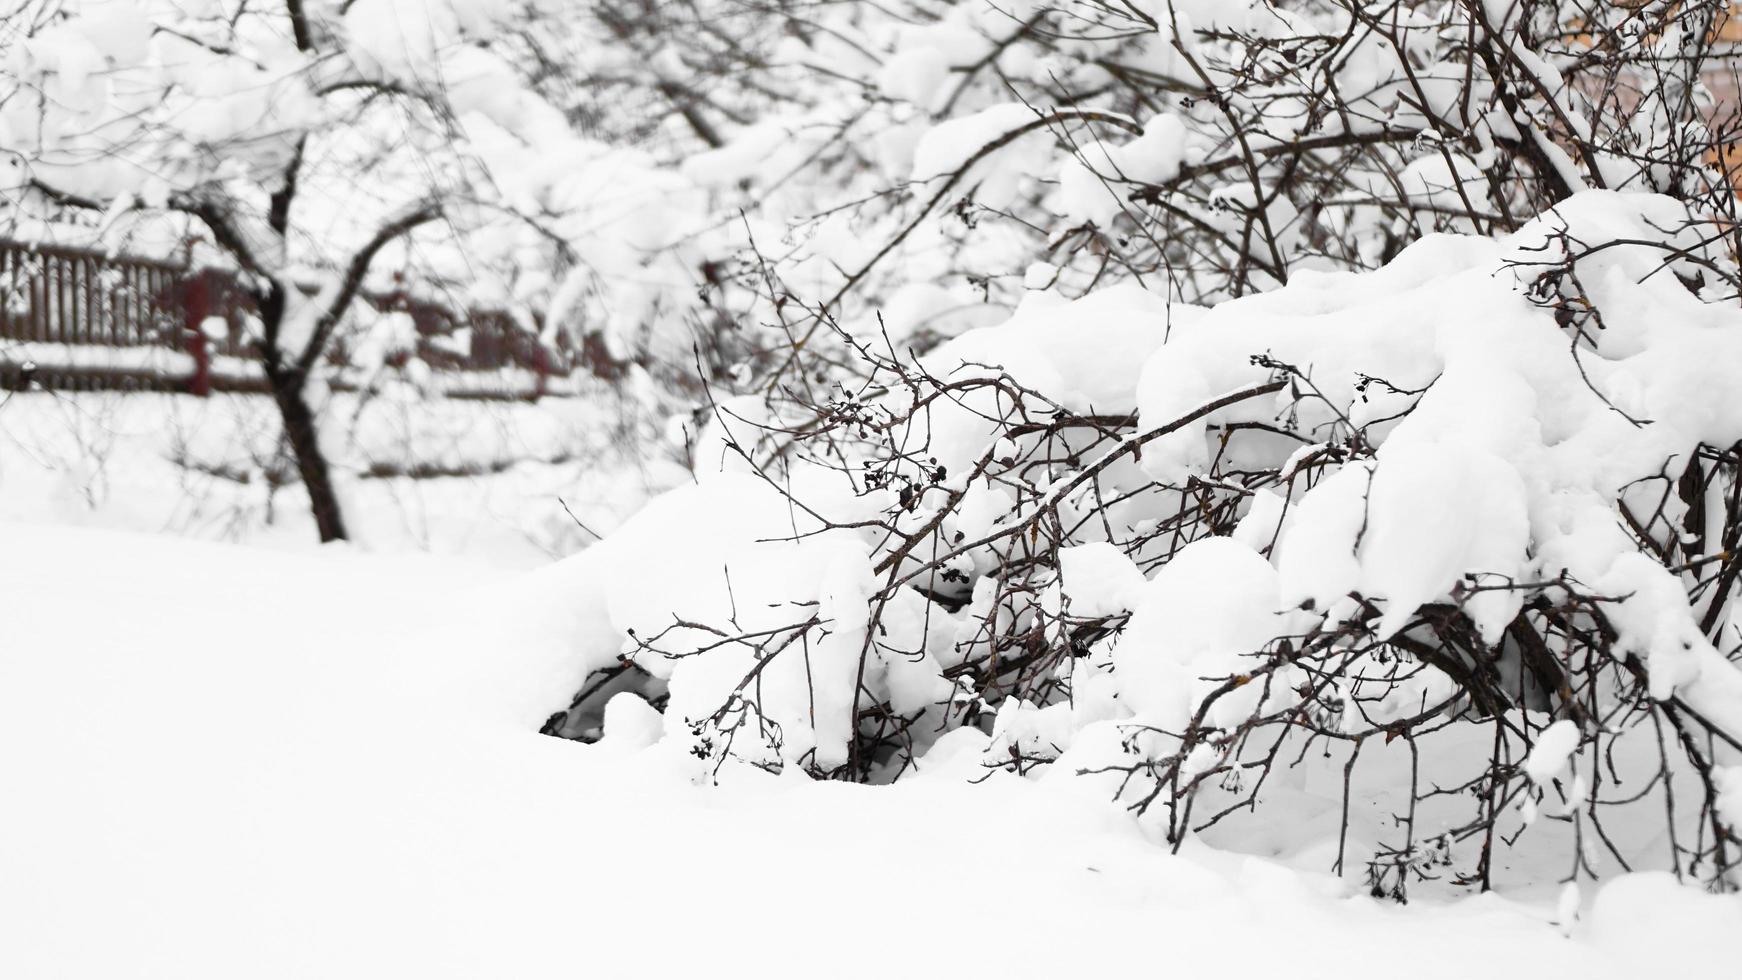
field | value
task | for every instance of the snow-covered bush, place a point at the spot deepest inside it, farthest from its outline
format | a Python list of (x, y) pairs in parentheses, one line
[(1358, 516), (1292, 419)]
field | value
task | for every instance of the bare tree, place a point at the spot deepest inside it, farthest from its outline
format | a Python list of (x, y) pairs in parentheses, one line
[(303, 150)]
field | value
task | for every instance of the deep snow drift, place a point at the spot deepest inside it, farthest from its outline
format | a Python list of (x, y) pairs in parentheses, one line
[(222, 762)]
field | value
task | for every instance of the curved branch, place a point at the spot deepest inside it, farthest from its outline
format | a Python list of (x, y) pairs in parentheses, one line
[(352, 281)]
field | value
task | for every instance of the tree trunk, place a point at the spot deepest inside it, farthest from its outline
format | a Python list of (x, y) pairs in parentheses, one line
[(311, 464)]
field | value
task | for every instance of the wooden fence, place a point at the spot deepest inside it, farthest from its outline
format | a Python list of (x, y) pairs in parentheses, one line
[(77, 319)]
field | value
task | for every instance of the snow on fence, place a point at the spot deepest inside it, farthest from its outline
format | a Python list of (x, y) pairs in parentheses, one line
[(75, 319)]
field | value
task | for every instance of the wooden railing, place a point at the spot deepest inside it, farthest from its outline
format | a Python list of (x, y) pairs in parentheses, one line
[(78, 319)]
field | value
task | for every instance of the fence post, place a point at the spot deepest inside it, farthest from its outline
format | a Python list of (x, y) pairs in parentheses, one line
[(196, 303)]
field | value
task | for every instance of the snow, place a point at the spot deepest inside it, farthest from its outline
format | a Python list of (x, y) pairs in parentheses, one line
[(1099, 579), (201, 785), (946, 148), (448, 475), (1554, 745), (1092, 185), (1199, 622), (152, 360), (1505, 448)]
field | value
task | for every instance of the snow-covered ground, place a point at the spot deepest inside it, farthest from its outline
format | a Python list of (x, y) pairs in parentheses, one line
[(501, 481), (225, 762)]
